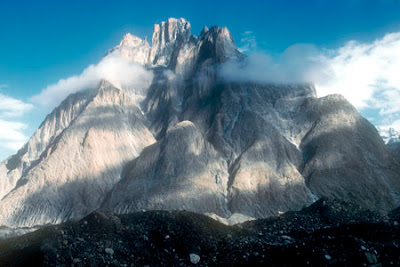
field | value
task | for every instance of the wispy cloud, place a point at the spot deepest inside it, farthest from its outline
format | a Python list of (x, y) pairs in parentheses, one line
[(11, 107), (113, 68), (12, 130), (12, 135), (247, 42), (367, 74), (297, 64)]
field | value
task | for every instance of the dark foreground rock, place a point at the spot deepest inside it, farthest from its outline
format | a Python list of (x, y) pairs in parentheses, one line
[(326, 233)]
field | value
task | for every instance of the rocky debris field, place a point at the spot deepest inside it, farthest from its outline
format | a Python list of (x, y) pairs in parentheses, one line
[(328, 232)]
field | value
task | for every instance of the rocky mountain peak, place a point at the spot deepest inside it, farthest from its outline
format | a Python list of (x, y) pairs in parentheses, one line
[(132, 40), (174, 47), (166, 36), (133, 48), (216, 31), (105, 84), (217, 43), (205, 30)]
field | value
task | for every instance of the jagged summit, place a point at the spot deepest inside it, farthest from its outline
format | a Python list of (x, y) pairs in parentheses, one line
[(174, 46), (168, 36), (131, 40), (133, 48)]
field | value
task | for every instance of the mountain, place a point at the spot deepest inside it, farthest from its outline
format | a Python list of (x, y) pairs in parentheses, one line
[(391, 137), (394, 146), (388, 134), (192, 140)]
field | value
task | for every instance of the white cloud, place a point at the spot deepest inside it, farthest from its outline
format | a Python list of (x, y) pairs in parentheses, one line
[(11, 107), (366, 74), (395, 125), (12, 135), (248, 42), (113, 68), (297, 64), (12, 131)]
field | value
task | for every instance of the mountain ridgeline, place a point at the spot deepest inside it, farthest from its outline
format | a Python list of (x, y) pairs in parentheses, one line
[(194, 141)]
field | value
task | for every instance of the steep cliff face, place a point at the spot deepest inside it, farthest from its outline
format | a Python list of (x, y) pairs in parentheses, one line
[(18, 165), (167, 37), (81, 164), (193, 141)]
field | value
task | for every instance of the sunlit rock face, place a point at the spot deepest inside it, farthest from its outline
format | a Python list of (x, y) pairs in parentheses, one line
[(133, 48), (80, 163), (191, 140), (168, 36)]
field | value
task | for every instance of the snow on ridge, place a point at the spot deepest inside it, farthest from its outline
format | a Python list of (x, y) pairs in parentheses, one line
[(389, 134)]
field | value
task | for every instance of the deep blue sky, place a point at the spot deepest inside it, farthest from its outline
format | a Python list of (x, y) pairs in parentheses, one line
[(44, 41)]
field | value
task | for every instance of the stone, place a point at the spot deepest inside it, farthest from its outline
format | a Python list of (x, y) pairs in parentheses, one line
[(371, 258), (194, 258), (109, 251)]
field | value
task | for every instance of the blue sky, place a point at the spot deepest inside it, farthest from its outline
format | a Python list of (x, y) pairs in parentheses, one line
[(42, 42)]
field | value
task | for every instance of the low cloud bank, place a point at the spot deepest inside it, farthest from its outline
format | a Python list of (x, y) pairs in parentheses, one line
[(113, 68), (367, 74), (299, 63)]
